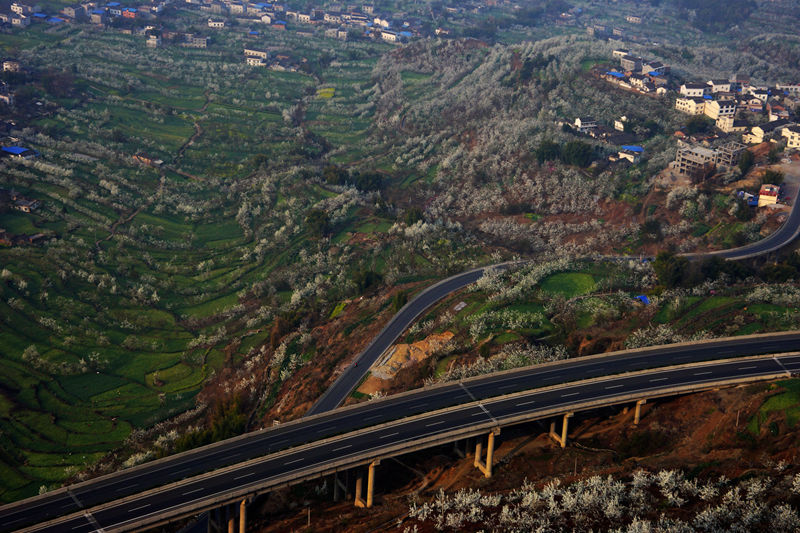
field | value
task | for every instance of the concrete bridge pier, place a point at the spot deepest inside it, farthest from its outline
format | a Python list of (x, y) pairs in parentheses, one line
[(561, 439), (485, 467), (359, 501), (638, 412), (339, 487), (225, 518)]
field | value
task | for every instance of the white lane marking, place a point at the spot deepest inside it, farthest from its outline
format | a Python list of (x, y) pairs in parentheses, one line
[(434, 423), (183, 470), (343, 447), (480, 404), (373, 417), (79, 526), (63, 507), (389, 435), (244, 476), (615, 386), (418, 406), (126, 488), (284, 441), (323, 430), (139, 508), (292, 462), (526, 403), (192, 491), (783, 367), (747, 367), (658, 379), (570, 394), (702, 373), (504, 387)]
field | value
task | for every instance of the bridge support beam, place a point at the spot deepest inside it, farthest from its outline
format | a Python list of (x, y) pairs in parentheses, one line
[(339, 488), (638, 412), (485, 467), (359, 501), (243, 516), (562, 439)]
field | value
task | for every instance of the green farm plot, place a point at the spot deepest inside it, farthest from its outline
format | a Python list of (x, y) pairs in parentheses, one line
[(18, 223), (787, 402), (569, 284), (326, 93)]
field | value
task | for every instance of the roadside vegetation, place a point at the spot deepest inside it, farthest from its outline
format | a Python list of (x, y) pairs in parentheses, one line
[(205, 227)]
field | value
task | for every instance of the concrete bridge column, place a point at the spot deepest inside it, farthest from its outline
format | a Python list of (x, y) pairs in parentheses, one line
[(339, 488), (637, 414), (485, 467), (243, 516), (562, 439), (359, 502)]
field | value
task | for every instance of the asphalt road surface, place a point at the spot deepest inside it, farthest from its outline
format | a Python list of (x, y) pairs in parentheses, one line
[(260, 443), (136, 511)]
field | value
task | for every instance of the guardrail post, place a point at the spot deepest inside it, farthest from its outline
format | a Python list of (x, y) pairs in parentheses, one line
[(562, 439), (485, 467), (637, 414), (359, 501)]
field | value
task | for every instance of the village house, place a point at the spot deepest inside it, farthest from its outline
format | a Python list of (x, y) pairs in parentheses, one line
[(153, 41), (768, 195), (630, 63), (696, 160), (633, 19), (776, 110), (789, 88), (691, 106), (254, 52), (694, 90), (727, 124), (26, 205), (98, 16), (305, 18), (389, 36), (763, 132), (21, 21), (585, 124), (195, 41), (255, 61), (719, 86), (9, 65), (216, 23), (714, 109), (792, 134), (24, 9)]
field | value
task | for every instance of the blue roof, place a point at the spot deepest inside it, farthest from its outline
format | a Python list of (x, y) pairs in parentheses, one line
[(113, 4), (131, 9), (280, 22), (40, 15), (616, 74), (708, 97), (644, 299), (252, 32), (654, 73), (55, 20), (405, 33), (633, 148), (99, 12), (16, 150)]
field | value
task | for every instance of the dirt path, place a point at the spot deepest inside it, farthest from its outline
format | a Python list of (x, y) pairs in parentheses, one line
[(126, 220), (198, 131)]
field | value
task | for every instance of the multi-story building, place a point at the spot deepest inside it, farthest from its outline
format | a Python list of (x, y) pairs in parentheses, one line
[(692, 106), (585, 124), (792, 134), (216, 23), (630, 63), (694, 90), (719, 108)]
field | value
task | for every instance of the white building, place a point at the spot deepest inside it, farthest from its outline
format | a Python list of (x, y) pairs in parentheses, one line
[(716, 108), (694, 90), (216, 23)]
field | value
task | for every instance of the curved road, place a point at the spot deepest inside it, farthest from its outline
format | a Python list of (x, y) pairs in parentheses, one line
[(430, 427), (353, 374), (128, 483)]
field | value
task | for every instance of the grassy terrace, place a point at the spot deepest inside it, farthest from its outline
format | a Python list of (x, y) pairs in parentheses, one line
[(103, 331)]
